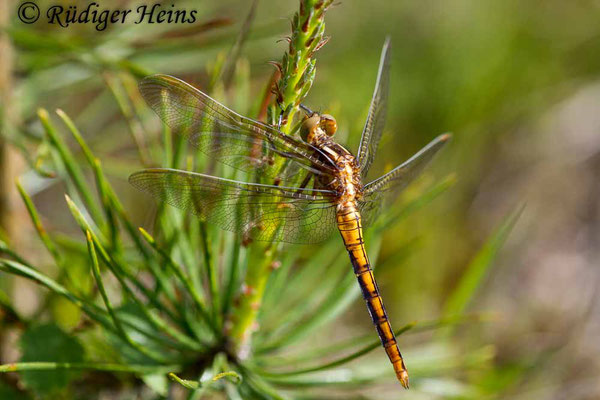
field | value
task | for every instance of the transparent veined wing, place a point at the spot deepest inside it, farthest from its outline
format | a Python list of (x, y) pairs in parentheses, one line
[(260, 212), (377, 112), (388, 186), (228, 137)]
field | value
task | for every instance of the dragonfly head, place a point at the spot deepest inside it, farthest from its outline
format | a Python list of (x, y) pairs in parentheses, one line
[(328, 124), (315, 124)]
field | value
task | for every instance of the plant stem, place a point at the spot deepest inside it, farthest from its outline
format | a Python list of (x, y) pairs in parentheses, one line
[(297, 74), (244, 315), (298, 65), (211, 274)]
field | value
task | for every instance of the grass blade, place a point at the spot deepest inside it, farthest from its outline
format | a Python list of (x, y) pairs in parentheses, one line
[(354, 355), (185, 280), (37, 223), (91, 366), (475, 272), (100, 284), (70, 164), (119, 272)]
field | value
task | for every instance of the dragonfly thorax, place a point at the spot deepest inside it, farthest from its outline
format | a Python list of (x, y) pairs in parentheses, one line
[(347, 182)]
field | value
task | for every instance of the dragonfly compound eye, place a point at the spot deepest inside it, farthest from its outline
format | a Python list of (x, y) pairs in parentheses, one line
[(307, 130), (328, 124)]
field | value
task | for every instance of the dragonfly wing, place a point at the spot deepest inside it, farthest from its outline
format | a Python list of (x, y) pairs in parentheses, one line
[(377, 113), (226, 136), (376, 192), (261, 212)]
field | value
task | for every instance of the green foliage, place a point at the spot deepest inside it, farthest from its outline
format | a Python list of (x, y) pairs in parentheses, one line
[(9, 393), (49, 343)]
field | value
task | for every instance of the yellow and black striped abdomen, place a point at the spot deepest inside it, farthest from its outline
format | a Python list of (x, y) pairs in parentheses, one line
[(349, 224)]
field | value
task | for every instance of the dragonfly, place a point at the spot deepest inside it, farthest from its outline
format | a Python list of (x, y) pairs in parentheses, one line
[(305, 187)]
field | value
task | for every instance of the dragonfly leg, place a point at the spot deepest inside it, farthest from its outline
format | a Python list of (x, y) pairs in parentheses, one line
[(305, 182), (280, 119), (307, 110)]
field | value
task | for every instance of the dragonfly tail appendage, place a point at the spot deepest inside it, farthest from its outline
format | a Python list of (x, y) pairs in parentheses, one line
[(349, 224)]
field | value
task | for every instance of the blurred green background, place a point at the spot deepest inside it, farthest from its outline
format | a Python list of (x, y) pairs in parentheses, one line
[(516, 82)]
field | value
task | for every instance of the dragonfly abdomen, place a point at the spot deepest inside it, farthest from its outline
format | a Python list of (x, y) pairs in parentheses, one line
[(349, 224)]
